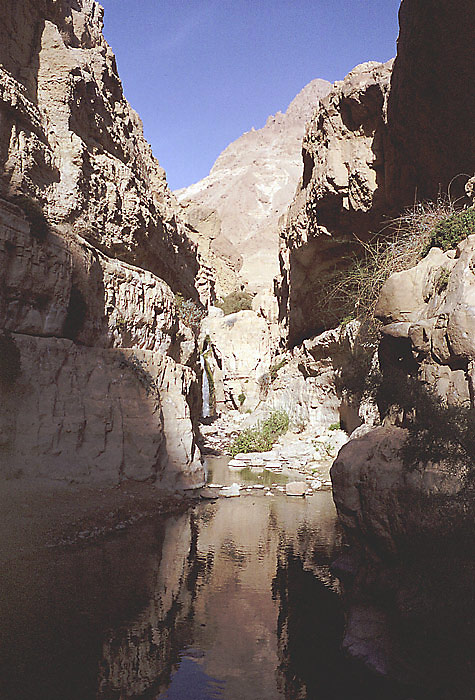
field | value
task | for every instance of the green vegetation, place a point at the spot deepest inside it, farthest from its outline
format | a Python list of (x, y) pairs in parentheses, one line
[(437, 432), (334, 426), (241, 398), (189, 312), (136, 366), (236, 301), (448, 232), (351, 290), (442, 281), (10, 360), (263, 436)]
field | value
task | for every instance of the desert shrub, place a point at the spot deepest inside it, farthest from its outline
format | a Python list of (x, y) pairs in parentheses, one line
[(437, 432), (10, 360), (189, 312), (448, 232), (263, 436), (442, 281), (241, 398), (76, 315), (334, 426), (236, 301), (351, 290), (39, 226)]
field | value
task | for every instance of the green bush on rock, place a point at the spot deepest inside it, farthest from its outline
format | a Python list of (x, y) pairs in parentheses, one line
[(189, 312), (450, 231), (263, 436)]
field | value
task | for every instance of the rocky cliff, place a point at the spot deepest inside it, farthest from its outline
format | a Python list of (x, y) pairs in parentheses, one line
[(92, 246), (404, 490), (342, 194), (236, 208), (384, 138)]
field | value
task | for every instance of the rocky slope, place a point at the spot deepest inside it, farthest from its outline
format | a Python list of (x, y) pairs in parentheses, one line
[(384, 138), (91, 243), (236, 208)]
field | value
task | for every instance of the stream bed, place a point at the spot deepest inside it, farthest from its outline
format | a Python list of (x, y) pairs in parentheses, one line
[(233, 599)]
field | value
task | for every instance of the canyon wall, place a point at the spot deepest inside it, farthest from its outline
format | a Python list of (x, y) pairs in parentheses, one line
[(93, 249), (236, 208), (385, 137)]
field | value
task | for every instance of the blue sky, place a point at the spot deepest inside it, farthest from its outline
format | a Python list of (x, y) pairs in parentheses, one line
[(202, 72)]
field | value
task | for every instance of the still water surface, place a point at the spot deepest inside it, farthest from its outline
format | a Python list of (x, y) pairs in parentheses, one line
[(232, 600)]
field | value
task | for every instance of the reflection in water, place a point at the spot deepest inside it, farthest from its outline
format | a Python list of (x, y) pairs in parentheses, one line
[(231, 600)]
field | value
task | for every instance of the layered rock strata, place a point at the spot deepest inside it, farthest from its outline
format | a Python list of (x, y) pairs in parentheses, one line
[(91, 242), (236, 208), (71, 141)]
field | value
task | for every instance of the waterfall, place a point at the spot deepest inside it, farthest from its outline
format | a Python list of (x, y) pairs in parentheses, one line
[(205, 390)]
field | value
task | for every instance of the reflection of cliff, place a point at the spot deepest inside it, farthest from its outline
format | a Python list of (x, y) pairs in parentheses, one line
[(213, 592), (138, 657), (57, 605), (310, 630)]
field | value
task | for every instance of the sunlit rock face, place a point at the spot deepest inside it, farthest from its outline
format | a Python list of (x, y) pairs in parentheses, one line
[(70, 139), (386, 136), (236, 208), (434, 321), (410, 523), (91, 247), (240, 356), (342, 194)]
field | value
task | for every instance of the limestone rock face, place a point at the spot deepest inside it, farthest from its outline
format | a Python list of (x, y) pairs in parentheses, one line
[(386, 136), (430, 98), (341, 193), (305, 384), (111, 405), (374, 493), (71, 140), (82, 414), (432, 305), (235, 210), (241, 352), (91, 246)]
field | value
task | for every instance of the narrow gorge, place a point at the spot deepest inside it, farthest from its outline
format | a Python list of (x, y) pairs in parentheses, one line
[(237, 419)]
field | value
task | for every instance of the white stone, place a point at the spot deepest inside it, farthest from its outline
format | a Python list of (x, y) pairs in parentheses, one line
[(230, 491), (296, 488)]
